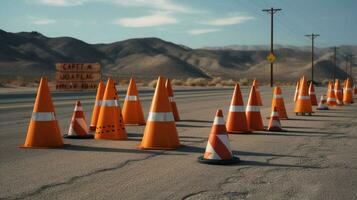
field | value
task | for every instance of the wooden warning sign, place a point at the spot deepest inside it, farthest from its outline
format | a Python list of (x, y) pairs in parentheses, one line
[(77, 76)]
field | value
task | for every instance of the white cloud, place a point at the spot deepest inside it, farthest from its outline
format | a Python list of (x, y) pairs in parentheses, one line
[(229, 20), (202, 31), (164, 5), (155, 19), (61, 3), (42, 21)]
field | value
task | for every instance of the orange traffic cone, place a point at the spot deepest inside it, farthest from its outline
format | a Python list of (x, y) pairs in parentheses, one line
[(170, 93), (322, 105), (303, 102), (97, 104), (110, 125), (218, 149), (347, 93), (236, 120), (338, 93), (78, 127), (259, 97), (354, 89), (254, 118), (278, 102), (296, 91), (160, 131), (43, 131), (312, 94), (274, 122), (331, 98), (132, 111)]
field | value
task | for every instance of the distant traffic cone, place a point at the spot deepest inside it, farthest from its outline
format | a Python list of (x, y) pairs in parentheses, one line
[(170, 93), (322, 105), (296, 90), (278, 102), (218, 149), (236, 120), (132, 110), (347, 94), (274, 122), (43, 131), (110, 125), (312, 94), (338, 93), (354, 89), (160, 131), (78, 127), (259, 97), (331, 98), (97, 104), (303, 102), (254, 118)]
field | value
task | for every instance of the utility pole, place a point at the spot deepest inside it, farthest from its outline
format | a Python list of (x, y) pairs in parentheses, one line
[(271, 11), (312, 36), (351, 63), (346, 66), (334, 62)]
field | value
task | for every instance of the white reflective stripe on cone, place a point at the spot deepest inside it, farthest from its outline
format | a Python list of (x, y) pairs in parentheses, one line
[(43, 116), (274, 114), (78, 108), (277, 96), (252, 109), (331, 99), (349, 89), (172, 99), (161, 117), (311, 93), (338, 91), (236, 108), (304, 97), (218, 121), (98, 103), (212, 153), (110, 103), (131, 98)]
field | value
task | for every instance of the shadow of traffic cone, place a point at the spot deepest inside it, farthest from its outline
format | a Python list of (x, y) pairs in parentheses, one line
[(97, 104), (236, 120), (322, 105), (312, 94), (338, 93), (259, 97), (218, 149), (331, 98), (347, 93), (274, 122), (170, 93), (278, 102), (43, 131), (110, 125), (254, 118), (160, 131), (296, 90), (78, 128), (303, 102), (132, 110)]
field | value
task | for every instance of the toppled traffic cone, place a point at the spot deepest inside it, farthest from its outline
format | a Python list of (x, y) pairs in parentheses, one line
[(236, 120), (338, 93), (160, 131), (218, 149), (132, 110), (347, 93), (312, 94), (110, 125), (274, 122), (322, 105), (296, 90), (303, 102), (259, 97), (254, 118), (278, 102), (331, 98), (78, 127), (43, 131), (97, 104), (170, 93)]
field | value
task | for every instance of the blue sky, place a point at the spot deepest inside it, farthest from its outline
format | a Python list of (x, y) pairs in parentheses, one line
[(195, 23)]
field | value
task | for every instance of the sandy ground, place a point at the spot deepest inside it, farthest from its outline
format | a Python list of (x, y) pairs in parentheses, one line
[(316, 159)]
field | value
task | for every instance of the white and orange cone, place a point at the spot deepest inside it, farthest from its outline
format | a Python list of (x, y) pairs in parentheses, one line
[(338, 93), (322, 105), (303, 102), (312, 94), (296, 90), (170, 93), (274, 122), (278, 102), (254, 118), (132, 110), (347, 93), (259, 97), (331, 98), (218, 149), (78, 127), (97, 104)]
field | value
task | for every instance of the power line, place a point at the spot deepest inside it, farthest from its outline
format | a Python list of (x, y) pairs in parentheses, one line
[(312, 36)]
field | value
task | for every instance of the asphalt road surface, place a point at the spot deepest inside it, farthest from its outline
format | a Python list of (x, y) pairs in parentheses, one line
[(316, 159)]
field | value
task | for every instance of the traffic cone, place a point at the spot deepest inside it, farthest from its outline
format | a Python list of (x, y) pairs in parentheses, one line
[(78, 127), (312, 94), (170, 93), (296, 90), (278, 102), (259, 97), (254, 118), (236, 120), (338, 93), (132, 110), (160, 131), (43, 130), (303, 102), (354, 89), (331, 98), (110, 124), (218, 149), (97, 104), (274, 122), (322, 105), (347, 93)]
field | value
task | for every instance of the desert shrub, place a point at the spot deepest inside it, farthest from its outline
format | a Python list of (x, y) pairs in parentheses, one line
[(152, 83), (123, 82), (229, 82), (243, 81), (196, 82), (325, 82), (177, 82)]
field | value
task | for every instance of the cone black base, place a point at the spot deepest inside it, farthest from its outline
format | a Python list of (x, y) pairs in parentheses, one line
[(88, 136), (275, 130), (322, 108), (234, 160)]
